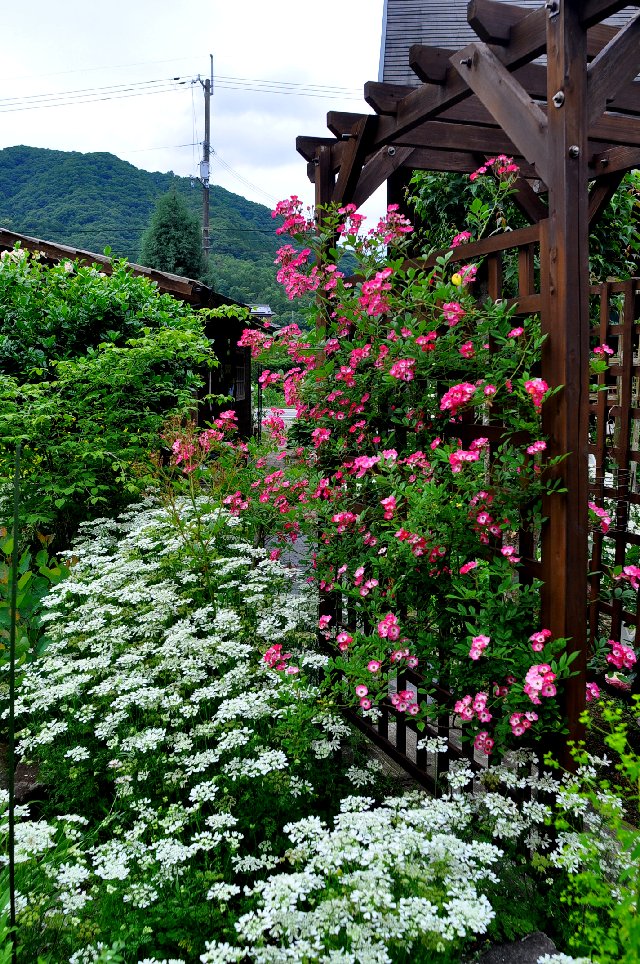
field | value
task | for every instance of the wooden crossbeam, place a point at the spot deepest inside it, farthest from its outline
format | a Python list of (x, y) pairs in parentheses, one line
[(430, 64), (309, 146), (427, 63), (478, 138), (616, 65), (528, 41), (617, 158), (384, 98), (341, 122), (518, 115), (617, 130), (493, 21)]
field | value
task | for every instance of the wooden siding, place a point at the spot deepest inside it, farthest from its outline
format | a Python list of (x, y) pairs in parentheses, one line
[(436, 23)]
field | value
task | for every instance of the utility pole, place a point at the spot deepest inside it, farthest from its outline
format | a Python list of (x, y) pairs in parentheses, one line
[(204, 163)]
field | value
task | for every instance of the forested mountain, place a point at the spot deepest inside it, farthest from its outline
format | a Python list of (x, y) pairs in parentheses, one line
[(92, 201)]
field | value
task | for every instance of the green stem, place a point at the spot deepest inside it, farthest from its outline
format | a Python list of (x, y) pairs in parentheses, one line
[(11, 750)]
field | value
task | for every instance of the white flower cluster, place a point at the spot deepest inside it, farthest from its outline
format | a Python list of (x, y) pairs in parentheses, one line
[(340, 901), (161, 692)]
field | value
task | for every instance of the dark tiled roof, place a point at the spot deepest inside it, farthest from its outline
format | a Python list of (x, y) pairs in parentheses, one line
[(436, 23)]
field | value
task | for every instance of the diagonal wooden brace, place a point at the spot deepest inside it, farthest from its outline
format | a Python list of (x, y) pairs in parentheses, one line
[(378, 169), (353, 158), (594, 11), (507, 101), (617, 64)]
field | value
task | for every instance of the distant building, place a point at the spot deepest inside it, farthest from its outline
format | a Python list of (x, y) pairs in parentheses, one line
[(262, 312)]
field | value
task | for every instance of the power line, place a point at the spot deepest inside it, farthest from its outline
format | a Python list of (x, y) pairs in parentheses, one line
[(90, 91), (239, 177), (138, 88), (90, 100)]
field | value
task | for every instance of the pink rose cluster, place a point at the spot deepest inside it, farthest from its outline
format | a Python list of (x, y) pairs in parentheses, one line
[(405, 702), (343, 520), (539, 681), (603, 515), (521, 722), (453, 312), (538, 640), (236, 503), (365, 586), (537, 388), (362, 692), (388, 628), (472, 454), (501, 165), (621, 655), (344, 640), (478, 645), (374, 293), (393, 225), (593, 692), (484, 523), (404, 654), (403, 369), (483, 743), (468, 567), (294, 220), (390, 506), (470, 706), (353, 221), (630, 574), (456, 397), (276, 659), (461, 238)]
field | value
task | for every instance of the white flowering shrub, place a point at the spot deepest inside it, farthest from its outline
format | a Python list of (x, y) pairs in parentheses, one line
[(198, 809), (381, 883), (173, 753)]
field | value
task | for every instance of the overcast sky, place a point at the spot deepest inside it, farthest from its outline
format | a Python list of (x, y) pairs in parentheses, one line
[(314, 58)]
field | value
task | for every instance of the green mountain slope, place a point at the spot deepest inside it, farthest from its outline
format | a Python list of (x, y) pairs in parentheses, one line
[(92, 201)]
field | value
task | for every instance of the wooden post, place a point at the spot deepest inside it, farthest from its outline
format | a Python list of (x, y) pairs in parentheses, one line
[(565, 321)]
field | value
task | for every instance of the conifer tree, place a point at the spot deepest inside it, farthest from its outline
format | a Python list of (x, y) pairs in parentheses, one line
[(172, 242)]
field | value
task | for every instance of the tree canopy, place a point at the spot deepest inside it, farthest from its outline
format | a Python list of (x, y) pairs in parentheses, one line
[(173, 241)]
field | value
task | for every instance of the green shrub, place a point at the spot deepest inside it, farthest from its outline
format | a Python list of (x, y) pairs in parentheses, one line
[(90, 367)]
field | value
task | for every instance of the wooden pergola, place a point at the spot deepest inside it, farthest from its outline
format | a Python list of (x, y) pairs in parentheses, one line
[(573, 126)]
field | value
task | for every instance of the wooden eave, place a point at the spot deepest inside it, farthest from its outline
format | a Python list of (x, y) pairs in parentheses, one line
[(185, 289)]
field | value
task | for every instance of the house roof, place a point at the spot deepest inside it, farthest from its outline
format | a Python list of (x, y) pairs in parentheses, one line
[(186, 289), (435, 23)]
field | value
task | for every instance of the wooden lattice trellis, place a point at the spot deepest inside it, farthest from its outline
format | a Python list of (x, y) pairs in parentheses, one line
[(573, 125), (614, 455)]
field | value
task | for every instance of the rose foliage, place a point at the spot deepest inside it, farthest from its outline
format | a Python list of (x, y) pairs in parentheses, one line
[(418, 416)]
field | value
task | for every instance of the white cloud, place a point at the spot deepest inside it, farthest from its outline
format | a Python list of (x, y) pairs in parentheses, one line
[(45, 49)]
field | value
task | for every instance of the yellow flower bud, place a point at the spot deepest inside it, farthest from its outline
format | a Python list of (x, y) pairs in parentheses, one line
[(456, 279)]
